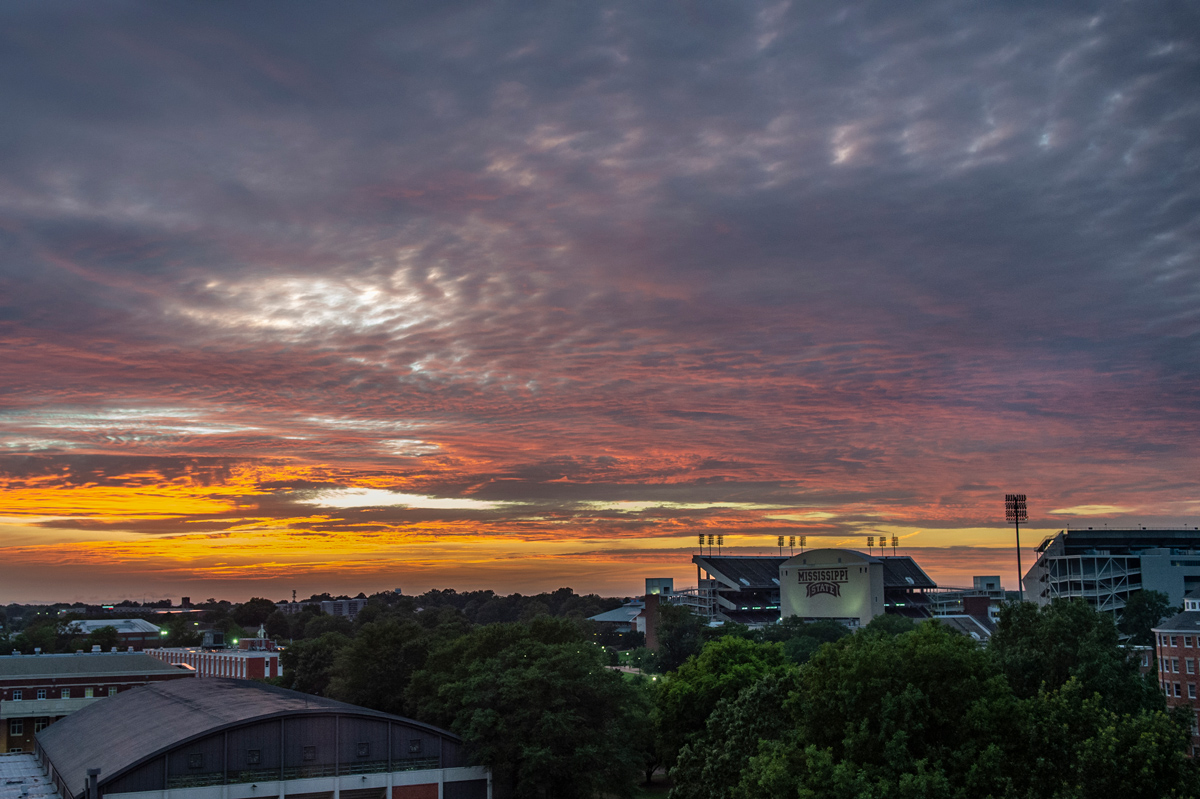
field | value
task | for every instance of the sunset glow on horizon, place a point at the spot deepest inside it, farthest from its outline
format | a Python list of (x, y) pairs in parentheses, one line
[(351, 298)]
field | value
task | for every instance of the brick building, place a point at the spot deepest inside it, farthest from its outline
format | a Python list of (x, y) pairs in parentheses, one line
[(254, 659), (1177, 645), (37, 690)]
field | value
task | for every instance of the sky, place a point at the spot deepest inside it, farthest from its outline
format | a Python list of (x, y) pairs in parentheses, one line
[(515, 295)]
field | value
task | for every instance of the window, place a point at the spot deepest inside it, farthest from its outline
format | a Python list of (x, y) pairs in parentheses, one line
[(1174, 665), (414, 746), (196, 760), (112, 690), (1191, 690), (364, 749), (65, 693), (1190, 665), (17, 695), (1177, 691), (16, 727), (1145, 659), (1187, 640), (310, 753), (87, 693), (253, 757), (40, 724), (1174, 640), (41, 694)]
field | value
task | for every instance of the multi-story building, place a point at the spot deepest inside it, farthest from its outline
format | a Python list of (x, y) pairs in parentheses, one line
[(1177, 645), (254, 659), (134, 634), (333, 607), (37, 690), (1105, 567)]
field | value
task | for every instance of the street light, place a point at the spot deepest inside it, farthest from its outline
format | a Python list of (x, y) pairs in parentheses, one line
[(1016, 512)]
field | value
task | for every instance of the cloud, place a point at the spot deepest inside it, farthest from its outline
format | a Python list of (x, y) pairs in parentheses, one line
[(1092, 510), (368, 497), (622, 271)]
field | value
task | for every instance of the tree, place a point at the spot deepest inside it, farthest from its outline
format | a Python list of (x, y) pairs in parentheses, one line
[(1143, 611), (252, 613), (308, 665), (802, 639), (105, 637), (1086, 749), (317, 625), (1035, 647), (680, 635), (375, 668), (181, 632), (277, 625), (710, 766), (543, 712), (722, 669), (928, 713), (890, 624)]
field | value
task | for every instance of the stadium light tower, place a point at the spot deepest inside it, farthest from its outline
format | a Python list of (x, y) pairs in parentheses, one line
[(1016, 512)]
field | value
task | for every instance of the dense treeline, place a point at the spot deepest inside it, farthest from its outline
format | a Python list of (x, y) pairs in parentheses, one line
[(1052, 707), (47, 627)]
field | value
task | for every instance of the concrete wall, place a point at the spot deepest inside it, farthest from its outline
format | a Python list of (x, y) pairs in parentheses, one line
[(836, 584)]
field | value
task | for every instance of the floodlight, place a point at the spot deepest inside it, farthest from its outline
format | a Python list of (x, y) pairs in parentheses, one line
[(1016, 511)]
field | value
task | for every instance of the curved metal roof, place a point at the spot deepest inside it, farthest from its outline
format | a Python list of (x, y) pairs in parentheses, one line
[(121, 732)]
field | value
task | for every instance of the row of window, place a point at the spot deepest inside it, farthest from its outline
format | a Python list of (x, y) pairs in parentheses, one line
[(65, 693), (1168, 687), (308, 753), (17, 726), (1173, 640), (1171, 665)]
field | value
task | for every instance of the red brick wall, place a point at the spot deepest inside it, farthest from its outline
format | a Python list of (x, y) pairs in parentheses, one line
[(651, 615), (1173, 655), (429, 791)]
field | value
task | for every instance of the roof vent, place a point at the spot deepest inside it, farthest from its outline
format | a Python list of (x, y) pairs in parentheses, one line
[(910, 581)]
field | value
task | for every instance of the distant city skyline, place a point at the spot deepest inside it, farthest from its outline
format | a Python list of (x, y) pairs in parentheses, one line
[(477, 295)]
